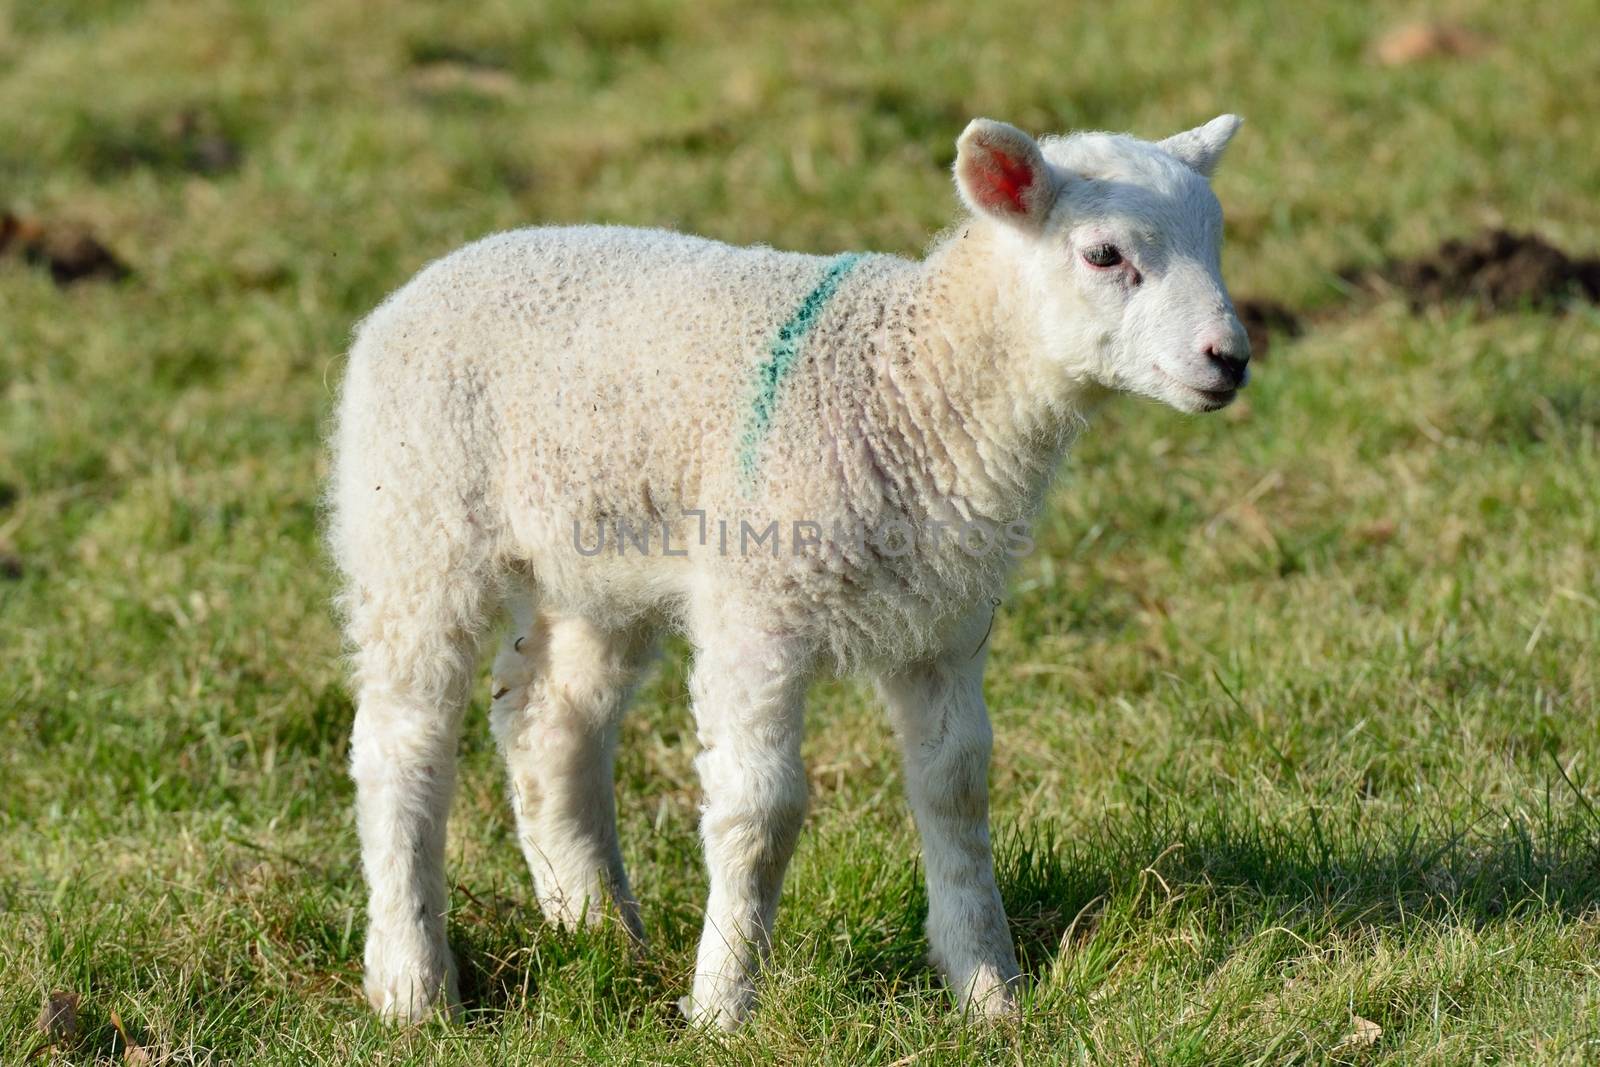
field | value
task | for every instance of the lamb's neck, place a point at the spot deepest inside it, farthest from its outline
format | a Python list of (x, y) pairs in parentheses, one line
[(981, 412)]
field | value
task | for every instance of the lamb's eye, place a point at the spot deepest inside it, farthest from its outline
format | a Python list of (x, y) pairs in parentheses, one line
[(1102, 256)]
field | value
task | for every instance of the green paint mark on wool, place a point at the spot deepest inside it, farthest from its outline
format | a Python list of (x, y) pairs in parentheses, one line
[(781, 355)]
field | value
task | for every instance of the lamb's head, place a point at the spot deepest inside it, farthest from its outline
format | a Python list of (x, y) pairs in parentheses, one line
[(1113, 245)]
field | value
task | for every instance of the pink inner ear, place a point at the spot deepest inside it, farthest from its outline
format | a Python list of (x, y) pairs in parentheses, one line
[(1002, 181)]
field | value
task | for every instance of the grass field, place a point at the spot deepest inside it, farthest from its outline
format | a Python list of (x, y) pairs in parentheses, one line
[(1298, 746)]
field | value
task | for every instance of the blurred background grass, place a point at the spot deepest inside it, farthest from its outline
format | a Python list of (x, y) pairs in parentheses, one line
[(1295, 706)]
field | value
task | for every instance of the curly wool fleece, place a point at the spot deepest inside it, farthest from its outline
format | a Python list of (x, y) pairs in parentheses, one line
[(514, 416)]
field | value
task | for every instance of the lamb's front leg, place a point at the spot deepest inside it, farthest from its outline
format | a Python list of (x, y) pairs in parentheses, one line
[(943, 724), (748, 692)]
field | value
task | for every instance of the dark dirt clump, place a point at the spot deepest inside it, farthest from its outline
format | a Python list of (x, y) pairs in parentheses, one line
[(1498, 269), (69, 251), (200, 144), (190, 140), (1264, 318)]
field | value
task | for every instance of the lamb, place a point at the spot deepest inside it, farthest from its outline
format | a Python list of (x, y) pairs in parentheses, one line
[(801, 463)]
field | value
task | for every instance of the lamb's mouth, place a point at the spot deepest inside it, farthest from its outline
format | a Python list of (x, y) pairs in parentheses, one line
[(1210, 399), (1215, 399)]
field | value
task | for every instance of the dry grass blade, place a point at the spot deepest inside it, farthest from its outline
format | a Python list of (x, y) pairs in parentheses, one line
[(132, 1052)]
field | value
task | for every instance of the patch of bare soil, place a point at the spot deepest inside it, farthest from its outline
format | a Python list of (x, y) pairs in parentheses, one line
[(1264, 319), (68, 250), (1498, 269)]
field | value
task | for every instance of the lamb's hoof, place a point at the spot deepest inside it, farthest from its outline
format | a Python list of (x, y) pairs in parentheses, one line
[(710, 1018), (413, 994), (989, 995), (623, 913)]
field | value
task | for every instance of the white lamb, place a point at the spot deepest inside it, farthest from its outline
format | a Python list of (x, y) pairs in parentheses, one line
[(802, 463)]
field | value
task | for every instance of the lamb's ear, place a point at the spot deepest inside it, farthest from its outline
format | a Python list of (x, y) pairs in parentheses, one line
[(1202, 146), (1000, 172)]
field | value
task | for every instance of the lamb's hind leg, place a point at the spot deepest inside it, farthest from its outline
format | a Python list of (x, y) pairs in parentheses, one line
[(562, 686), (415, 652)]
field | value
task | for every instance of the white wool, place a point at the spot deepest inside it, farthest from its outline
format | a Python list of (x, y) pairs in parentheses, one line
[(538, 387)]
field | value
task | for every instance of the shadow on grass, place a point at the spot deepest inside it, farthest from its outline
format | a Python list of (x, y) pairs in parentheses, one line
[(1323, 871), (508, 957), (1319, 872)]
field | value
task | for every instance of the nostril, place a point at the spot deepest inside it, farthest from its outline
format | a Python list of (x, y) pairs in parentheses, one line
[(1231, 364)]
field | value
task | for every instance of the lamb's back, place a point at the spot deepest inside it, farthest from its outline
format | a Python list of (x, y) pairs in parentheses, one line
[(600, 371)]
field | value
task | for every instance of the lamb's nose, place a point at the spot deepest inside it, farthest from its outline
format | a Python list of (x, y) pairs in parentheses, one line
[(1234, 365)]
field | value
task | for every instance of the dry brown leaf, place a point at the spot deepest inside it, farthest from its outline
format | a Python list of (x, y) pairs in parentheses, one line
[(446, 76), (58, 1019), (1417, 41), (1364, 1033), (1378, 532)]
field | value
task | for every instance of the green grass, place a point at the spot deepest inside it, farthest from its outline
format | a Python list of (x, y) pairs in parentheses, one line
[(1295, 706)]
